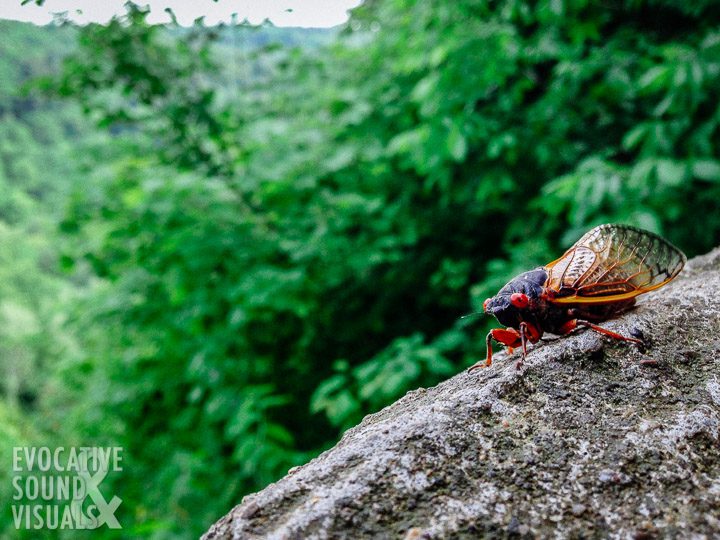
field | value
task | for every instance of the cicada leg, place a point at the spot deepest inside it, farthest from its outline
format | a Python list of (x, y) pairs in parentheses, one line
[(507, 336), (574, 323), (528, 332)]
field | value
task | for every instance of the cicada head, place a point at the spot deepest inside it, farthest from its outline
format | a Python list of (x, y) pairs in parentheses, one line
[(514, 303)]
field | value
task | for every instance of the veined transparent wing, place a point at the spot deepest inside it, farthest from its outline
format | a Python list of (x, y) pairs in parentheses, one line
[(611, 263)]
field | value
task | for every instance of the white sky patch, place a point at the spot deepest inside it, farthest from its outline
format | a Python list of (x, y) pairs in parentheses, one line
[(306, 13)]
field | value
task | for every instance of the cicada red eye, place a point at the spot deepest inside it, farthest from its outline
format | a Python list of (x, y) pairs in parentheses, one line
[(485, 305), (519, 300)]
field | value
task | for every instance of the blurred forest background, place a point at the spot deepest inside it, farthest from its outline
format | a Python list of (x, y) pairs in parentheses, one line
[(221, 247)]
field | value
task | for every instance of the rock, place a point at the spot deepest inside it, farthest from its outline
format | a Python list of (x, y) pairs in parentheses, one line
[(586, 440)]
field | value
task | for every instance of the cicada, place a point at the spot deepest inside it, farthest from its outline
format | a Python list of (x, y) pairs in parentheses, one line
[(595, 280)]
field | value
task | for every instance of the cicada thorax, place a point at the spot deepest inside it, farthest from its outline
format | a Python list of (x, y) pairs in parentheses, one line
[(521, 300)]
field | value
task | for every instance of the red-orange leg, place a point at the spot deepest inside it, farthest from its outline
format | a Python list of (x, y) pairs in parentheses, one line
[(507, 336), (573, 324), (528, 332), (523, 340)]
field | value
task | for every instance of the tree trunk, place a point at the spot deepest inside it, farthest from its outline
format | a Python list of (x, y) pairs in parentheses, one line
[(592, 438)]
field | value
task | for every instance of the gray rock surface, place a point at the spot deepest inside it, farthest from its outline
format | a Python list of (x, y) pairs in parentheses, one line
[(591, 439)]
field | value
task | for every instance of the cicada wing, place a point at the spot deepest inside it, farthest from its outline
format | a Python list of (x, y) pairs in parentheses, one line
[(611, 263)]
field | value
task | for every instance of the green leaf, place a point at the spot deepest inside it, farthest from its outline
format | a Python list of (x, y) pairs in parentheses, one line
[(671, 173), (456, 144), (633, 137), (706, 169), (655, 78)]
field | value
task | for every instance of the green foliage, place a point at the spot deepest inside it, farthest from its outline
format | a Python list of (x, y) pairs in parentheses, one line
[(38, 140), (404, 364), (263, 245)]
